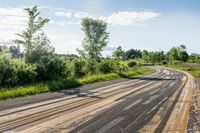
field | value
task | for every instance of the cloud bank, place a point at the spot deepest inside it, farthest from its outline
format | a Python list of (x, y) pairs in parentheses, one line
[(123, 18)]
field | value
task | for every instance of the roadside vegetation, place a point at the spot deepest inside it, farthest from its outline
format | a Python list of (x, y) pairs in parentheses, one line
[(38, 69)]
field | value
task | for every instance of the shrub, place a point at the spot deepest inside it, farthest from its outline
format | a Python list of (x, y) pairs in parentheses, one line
[(16, 72), (132, 64), (121, 68), (78, 68), (106, 66), (52, 68), (26, 73), (91, 66)]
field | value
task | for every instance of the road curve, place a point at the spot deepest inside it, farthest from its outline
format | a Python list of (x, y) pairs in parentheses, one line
[(141, 104)]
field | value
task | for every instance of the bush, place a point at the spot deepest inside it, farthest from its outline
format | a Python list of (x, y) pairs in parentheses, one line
[(132, 64), (52, 68), (106, 66), (78, 68), (91, 66), (16, 72)]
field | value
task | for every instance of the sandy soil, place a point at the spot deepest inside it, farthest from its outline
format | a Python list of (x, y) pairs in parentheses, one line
[(194, 120)]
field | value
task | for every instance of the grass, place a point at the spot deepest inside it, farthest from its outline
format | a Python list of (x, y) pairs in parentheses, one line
[(193, 70), (50, 86)]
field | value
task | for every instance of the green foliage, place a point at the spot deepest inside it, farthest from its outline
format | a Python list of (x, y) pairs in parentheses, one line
[(132, 64), (177, 54), (91, 66), (16, 72), (78, 67), (15, 51), (132, 54), (52, 68), (145, 56), (118, 53), (66, 84), (35, 24), (194, 58), (106, 66), (95, 38), (41, 47)]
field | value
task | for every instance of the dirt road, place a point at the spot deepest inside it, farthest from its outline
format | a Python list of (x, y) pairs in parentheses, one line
[(144, 104)]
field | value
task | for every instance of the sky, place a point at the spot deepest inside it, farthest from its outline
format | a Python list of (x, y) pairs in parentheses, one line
[(137, 24)]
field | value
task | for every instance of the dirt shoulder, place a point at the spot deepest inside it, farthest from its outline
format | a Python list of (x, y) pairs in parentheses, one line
[(194, 117), (193, 120)]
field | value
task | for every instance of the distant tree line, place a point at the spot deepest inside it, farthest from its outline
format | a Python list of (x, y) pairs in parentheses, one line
[(174, 55)]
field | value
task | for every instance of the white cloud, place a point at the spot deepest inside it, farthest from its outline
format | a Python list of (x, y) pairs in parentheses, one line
[(65, 14), (118, 18), (9, 11), (12, 20), (130, 18)]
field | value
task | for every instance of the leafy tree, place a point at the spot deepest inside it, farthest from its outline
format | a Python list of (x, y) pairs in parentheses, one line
[(156, 57), (145, 55), (41, 47), (118, 53), (183, 55), (132, 54), (95, 39), (15, 51), (177, 54), (35, 23), (194, 57)]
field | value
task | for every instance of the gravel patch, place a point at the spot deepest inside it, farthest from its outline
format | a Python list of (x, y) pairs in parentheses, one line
[(194, 119)]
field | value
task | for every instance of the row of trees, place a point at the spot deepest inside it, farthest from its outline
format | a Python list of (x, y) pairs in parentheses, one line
[(175, 54)]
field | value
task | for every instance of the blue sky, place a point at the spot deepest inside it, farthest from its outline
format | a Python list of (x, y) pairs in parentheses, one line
[(141, 24)]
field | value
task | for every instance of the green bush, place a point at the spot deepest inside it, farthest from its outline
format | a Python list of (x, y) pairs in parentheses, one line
[(16, 72), (106, 66), (132, 64), (91, 66), (78, 68), (52, 68)]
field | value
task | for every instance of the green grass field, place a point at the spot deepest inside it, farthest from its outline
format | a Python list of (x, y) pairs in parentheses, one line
[(51, 86)]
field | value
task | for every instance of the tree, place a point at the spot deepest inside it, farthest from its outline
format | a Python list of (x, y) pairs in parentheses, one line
[(183, 55), (118, 53), (41, 47), (95, 38), (177, 54), (132, 54), (194, 57), (145, 55), (35, 23), (15, 51)]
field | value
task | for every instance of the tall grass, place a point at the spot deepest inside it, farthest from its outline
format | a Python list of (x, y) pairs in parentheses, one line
[(51, 86)]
